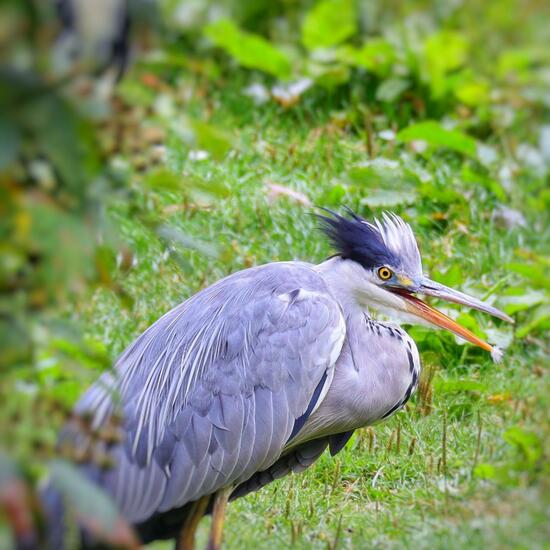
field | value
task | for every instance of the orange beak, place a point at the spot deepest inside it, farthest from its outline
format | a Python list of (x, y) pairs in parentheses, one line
[(422, 309), (418, 308)]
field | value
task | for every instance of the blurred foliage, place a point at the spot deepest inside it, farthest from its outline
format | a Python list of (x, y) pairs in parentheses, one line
[(526, 458), (438, 110)]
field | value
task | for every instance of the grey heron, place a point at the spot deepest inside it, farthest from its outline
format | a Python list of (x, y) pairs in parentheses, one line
[(255, 376), (95, 33)]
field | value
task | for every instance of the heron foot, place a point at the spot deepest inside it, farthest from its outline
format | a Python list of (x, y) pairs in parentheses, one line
[(186, 538), (218, 515)]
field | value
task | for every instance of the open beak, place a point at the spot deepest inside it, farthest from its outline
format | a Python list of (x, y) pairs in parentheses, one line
[(421, 309)]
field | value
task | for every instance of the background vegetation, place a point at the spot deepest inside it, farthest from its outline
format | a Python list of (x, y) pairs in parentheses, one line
[(233, 119)]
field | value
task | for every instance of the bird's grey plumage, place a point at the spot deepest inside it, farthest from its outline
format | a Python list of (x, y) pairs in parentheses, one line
[(210, 392)]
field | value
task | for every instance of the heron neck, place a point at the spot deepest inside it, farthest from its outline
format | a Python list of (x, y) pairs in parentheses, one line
[(342, 277)]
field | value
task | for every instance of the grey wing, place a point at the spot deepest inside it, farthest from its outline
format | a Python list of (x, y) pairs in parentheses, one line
[(212, 391)]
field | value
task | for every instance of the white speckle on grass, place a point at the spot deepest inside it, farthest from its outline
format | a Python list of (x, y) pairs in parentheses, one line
[(198, 155), (388, 135), (446, 486), (544, 142), (419, 145), (532, 158), (506, 175), (380, 163), (257, 92), (486, 154), (164, 106), (376, 476), (508, 217)]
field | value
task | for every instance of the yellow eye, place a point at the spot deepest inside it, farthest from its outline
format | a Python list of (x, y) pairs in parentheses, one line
[(385, 273)]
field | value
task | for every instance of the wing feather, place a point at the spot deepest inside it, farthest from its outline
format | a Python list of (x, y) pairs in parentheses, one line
[(211, 391), (197, 438), (244, 460), (263, 418), (181, 474)]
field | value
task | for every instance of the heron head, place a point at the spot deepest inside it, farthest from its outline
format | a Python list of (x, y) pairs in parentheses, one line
[(391, 273)]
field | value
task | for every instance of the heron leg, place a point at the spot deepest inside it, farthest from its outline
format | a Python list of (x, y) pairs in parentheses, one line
[(186, 538), (218, 514)]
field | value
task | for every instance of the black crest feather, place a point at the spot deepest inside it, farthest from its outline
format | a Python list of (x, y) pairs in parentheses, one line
[(355, 239)]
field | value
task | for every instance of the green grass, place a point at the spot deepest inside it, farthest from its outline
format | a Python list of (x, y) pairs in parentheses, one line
[(408, 482)]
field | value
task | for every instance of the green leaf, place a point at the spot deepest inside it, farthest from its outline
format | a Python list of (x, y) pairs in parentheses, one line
[(485, 471), (521, 302), (90, 356), (390, 89), (334, 195), (384, 182), (85, 498), (329, 23), (67, 244), (10, 140), (199, 190), (15, 342), (163, 179), (135, 93), (459, 386), (518, 61), (328, 74), (176, 237), (469, 176), (388, 198), (12, 262), (65, 139), (250, 50), (380, 172), (214, 187), (528, 443), (444, 51), (440, 192), (437, 136), (473, 92), (215, 140), (535, 270), (538, 321), (376, 56)]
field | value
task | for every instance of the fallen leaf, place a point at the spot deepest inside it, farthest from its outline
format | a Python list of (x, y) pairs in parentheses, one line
[(289, 94), (276, 191), (151, 80), (498, 398)]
